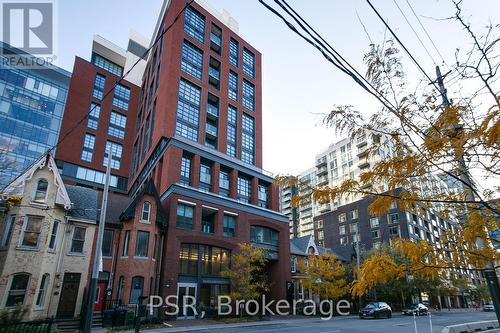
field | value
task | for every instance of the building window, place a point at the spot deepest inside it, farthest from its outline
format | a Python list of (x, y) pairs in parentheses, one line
[(229, 225), (205, 177), (344, 240), (146, 211), (121, 286), (244, 189), (353, 227), (17, 290), (342, 230), (94, 112), (293, 264), (192, 60), (321, 235), (116, 153), (88, 147), (263, 196), (184, 216), (40, 194), (224, 183), (232, 91), (188, 110), (8, 230), (353, 214), (136, 289), (40, 299), (393, 218), (375, 234), (126, 241), (121, 97), (100, 81), (142, 242), (232, 121), (263, 235), (248, 95), (394, 231), (188, 259), (342, 217), (194, 24), (248, 140), (117, 124), (374, 222), (31, 231), (185, 171), (107, 243), (234, 51), (208, 217), (107, 65), (214, 260), (248, 63), (78, 240), (53, 236)]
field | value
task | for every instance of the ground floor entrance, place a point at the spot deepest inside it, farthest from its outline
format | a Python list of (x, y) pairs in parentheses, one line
[(69, 295)]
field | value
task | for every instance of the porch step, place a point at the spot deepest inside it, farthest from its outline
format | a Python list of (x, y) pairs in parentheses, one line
[(96, 320), (67, 324)]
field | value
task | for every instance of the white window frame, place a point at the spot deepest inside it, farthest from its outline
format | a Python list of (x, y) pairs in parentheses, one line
[(23, 231), (56, 235), (8, 230), (42, 289), (73, 238), (8, 289), (148, 212), (44, 201)]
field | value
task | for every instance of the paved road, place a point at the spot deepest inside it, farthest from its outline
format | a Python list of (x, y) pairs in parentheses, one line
[(397, 324)]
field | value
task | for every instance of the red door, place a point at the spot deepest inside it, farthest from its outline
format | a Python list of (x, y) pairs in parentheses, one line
[(99, 300)]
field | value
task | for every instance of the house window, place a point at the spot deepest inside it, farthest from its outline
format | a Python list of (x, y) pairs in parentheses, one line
[(194, 24), (95, 111), (53, 236), (184, 216), (185, 171), (344, 240), (244, 189), (40, 299), (393, 218), (353, 227), (78, 240), (394, 231), (136, 289), (374, 222), (8, 230), (31, 231), (88, 147), (17, 290), (41, 190), (121, 285), (342, 230), (146, 211), (293, 264), (376, 233), (142, 242), (107, 243), (224, 183), (353, 214), (229, 225), (208, 217), (126, 241)]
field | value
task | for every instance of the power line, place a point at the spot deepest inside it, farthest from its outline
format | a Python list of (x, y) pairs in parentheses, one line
[(415, 32), (427, 33), (402, 45), (144, 55)]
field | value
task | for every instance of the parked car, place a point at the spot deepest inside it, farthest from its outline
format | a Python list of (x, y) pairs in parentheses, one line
[(417, 309), (376, 310), (488, 307)]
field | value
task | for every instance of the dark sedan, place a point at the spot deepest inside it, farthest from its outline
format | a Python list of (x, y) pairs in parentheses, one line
[(376, 310), (416, 309)]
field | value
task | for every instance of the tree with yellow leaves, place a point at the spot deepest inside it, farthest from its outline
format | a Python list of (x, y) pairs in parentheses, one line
[(324, 275)]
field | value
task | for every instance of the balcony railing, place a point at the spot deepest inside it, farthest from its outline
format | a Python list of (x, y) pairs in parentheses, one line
[(215, 39), (212, 110), (211, 130), (213, 72)]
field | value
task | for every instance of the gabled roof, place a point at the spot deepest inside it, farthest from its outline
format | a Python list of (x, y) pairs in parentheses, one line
[(117, 204), (300, 245), (84, 202), (150, 189), (16, 187)]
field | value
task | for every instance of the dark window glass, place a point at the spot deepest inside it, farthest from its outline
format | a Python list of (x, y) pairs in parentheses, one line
[(188, 258), (136, 289), (224, 183), (248, 95), (100, 81), (263, 196), (41, 190), (233, 86), (17, 290), (186, 171), (192, 60), (141, 248), (233, 52), (248, 63), (121, 97), (229, 225), (205, 177), (194, 24), (248, 140), (107, 243), (184, 216), (244, 189), (78, 240), (232, 121), (126, 241), (263, 235), (188, 110), (31, 231)]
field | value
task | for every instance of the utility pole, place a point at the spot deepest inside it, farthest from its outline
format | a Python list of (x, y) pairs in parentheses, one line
[(358, 259), (464, 175), (87, 327)]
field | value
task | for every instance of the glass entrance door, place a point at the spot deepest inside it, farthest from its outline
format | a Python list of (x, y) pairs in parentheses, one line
[(183, 290)]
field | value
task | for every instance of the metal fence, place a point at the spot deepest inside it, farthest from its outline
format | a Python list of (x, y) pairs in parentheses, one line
[(36, 326)]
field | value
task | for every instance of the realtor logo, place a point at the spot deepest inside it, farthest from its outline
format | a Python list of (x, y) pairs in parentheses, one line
[(29, 25)]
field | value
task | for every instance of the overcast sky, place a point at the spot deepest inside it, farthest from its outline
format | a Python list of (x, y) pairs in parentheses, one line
[(298, 83)]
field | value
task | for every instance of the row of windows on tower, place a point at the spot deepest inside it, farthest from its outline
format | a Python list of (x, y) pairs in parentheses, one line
[(244, 183), (194, 25), (88, 151), (192, 64), (188, 116)]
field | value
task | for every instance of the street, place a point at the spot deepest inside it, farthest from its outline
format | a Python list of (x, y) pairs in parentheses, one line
[(351, 324)]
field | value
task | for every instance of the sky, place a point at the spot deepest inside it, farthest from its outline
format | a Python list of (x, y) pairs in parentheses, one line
[(299, 85)]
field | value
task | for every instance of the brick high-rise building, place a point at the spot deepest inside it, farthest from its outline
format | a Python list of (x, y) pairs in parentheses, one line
[(190, 162)]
